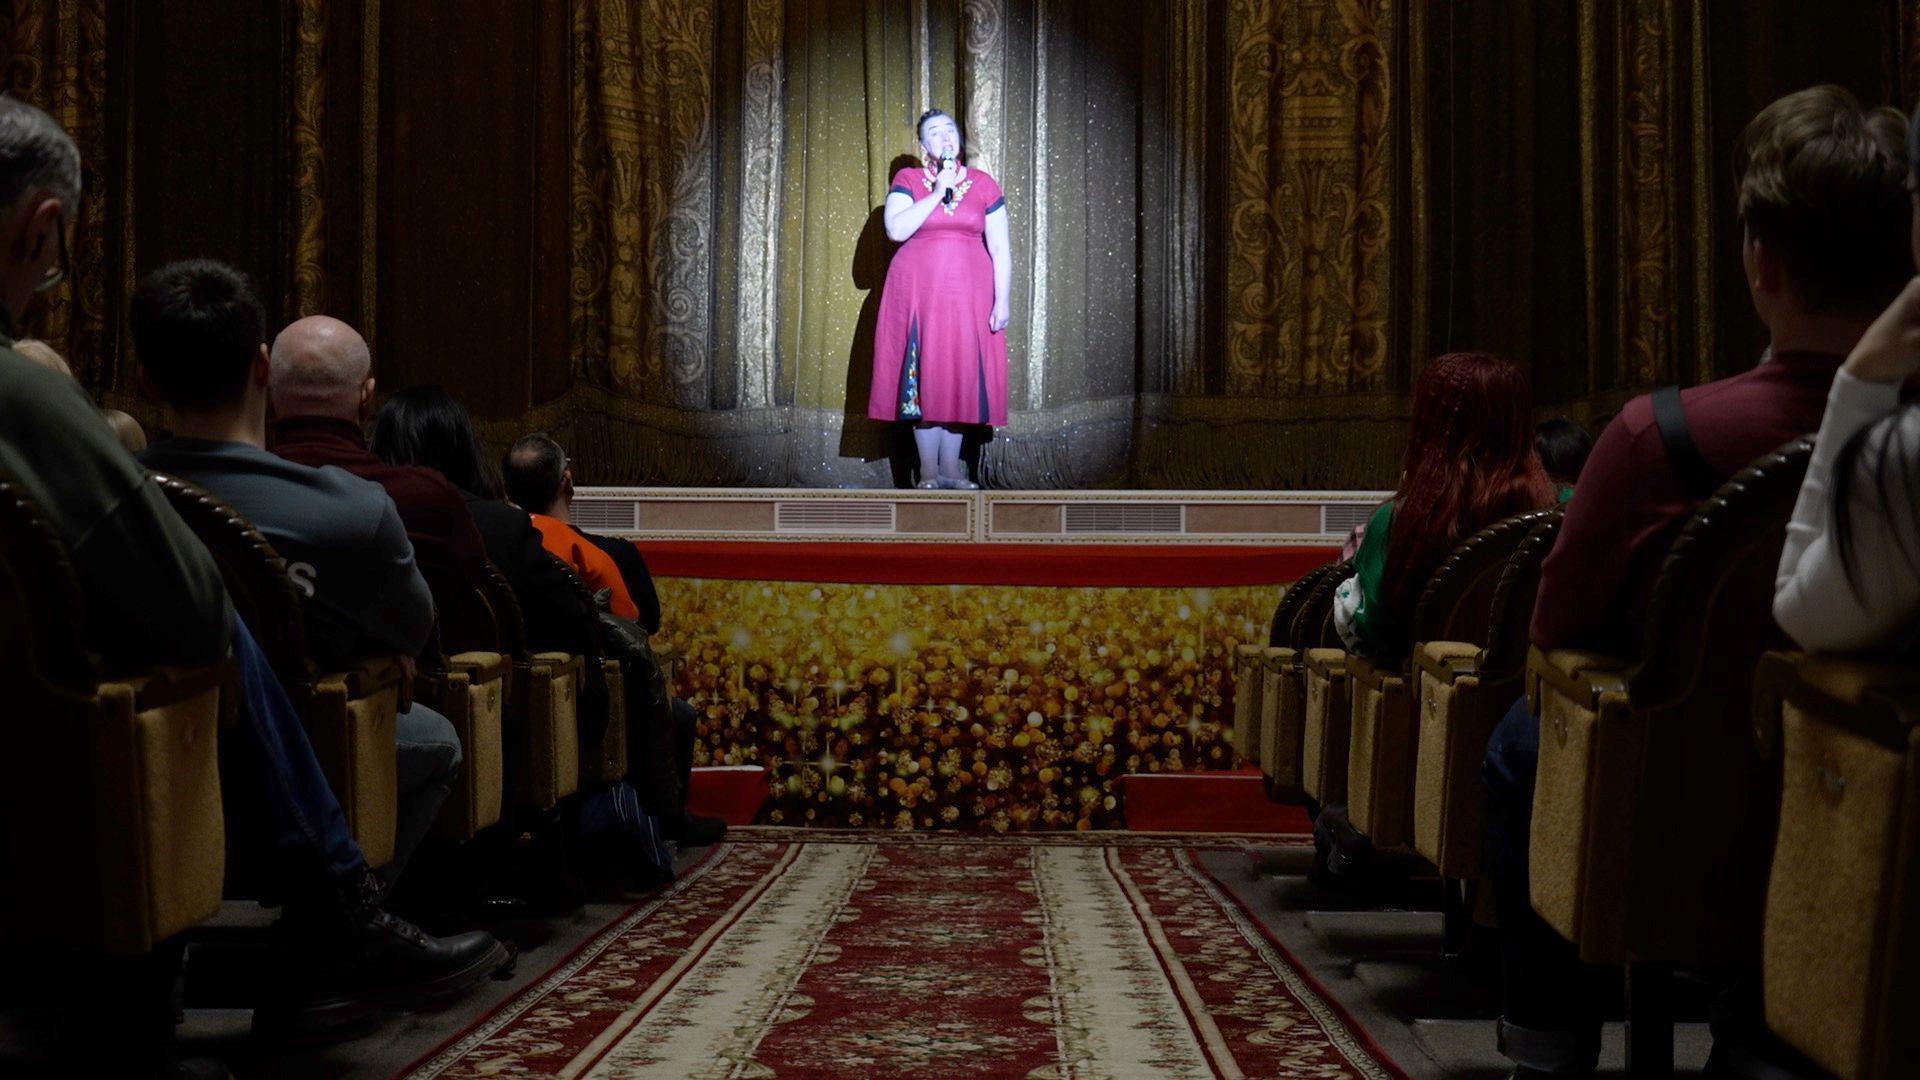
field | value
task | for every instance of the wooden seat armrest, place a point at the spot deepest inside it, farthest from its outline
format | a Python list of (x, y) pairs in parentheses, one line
[(371, 675), (481, 666), (1580, 675), (1365, 672), (156, 688), (1448, 660), (1877, 699), (1327, 662)]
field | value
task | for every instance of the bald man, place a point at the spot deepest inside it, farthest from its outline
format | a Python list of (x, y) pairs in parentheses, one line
[(320, 378)]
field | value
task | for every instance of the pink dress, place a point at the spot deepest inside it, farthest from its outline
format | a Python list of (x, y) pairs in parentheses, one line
[(934, 359)]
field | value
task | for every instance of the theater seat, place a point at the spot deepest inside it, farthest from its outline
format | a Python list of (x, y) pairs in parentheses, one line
[(1326, 712), (110, 785), (1465, 688), (470, 689), (1278, 716), (1456, 608), (1841, 944), (1654, 814), (349, 715), (1248, 685), (543, 732), (606, 761)]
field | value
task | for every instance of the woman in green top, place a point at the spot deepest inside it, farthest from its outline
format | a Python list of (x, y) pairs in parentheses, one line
[(1470, 461)]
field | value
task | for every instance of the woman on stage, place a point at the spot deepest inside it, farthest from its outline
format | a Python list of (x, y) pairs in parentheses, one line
[(940, 350)]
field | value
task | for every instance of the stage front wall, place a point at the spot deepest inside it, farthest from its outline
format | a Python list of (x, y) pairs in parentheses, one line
[(958, 706)]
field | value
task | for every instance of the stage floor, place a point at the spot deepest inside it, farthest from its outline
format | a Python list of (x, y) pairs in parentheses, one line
[(1312, 519)]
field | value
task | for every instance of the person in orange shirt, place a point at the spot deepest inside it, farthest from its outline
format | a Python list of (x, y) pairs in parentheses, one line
[(540, 482)]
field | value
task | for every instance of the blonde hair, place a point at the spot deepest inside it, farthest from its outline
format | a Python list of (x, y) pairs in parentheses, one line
[(127, 429), (43, 354)]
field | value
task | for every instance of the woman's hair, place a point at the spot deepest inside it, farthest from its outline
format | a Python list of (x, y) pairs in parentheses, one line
[(43, 354), (425, 425), (1563, 447), (1884, 458), (1470, 461), (920, 125)]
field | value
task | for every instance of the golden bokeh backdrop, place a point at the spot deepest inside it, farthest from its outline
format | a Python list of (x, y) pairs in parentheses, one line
[(958, 707)]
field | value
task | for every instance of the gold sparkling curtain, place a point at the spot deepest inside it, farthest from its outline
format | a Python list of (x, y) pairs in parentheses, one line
[(1196, 303), (1239, 226)]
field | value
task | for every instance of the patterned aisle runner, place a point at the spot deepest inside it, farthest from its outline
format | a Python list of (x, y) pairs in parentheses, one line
[(857, 955)]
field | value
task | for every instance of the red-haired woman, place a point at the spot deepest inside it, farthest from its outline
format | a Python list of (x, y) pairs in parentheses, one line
[(1470, 462)]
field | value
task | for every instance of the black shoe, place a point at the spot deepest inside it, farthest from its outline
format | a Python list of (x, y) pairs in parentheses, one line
[(354, 952), (692, 830)]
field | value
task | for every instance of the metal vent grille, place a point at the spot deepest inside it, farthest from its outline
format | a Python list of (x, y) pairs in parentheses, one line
[(1123, 518), (1342, 518), (821, 515), (606, 515)]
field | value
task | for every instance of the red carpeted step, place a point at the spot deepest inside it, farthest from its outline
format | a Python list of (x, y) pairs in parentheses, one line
[(732, 793), (1225, 801)]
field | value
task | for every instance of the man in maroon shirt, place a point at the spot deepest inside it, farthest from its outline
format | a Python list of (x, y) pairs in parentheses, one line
[(1826, 219), (321, 382)]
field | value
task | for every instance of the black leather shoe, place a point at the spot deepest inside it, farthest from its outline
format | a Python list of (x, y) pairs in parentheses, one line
[(692, 830), (355, 952)]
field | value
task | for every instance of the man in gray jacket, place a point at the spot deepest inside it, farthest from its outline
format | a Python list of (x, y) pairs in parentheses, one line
[(200, 334)]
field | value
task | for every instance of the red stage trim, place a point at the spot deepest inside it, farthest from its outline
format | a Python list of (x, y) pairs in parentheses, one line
[(1068, 565), (1221, 801), (732, 793)]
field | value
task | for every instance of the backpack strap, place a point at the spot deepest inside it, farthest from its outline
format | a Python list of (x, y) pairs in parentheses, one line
[(1697, 478)]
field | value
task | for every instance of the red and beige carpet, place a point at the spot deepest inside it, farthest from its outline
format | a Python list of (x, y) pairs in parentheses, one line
[(814, 954)]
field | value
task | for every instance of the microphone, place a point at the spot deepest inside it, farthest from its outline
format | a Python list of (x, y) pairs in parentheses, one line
[(946, 163)]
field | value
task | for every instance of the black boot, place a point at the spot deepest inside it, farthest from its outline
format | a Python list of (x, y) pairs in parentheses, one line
[(345, 952)]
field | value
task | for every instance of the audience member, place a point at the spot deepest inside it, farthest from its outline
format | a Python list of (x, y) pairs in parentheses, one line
[(539, 481), (1469, 462), (321, 382), (1850, 571), (125, 428), (1563, 447), (199, 331), (1825, 217), (425, 425), (43, 354), (155, 597)]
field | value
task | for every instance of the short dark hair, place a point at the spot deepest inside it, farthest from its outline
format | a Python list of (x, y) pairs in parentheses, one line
[(1823, 183), (1563, 446), (197, 328), (36, 153), (534, 468), (426, 426), (920, 125)]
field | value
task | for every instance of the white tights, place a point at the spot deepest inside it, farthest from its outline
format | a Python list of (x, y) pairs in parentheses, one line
[(939, 452)]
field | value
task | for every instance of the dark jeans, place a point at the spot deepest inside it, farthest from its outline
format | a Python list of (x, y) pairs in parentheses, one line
[(282, 817), (1553, 1004)]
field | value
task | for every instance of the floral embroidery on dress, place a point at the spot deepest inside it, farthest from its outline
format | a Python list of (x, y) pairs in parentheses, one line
[(910, 375), (927, 178)]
